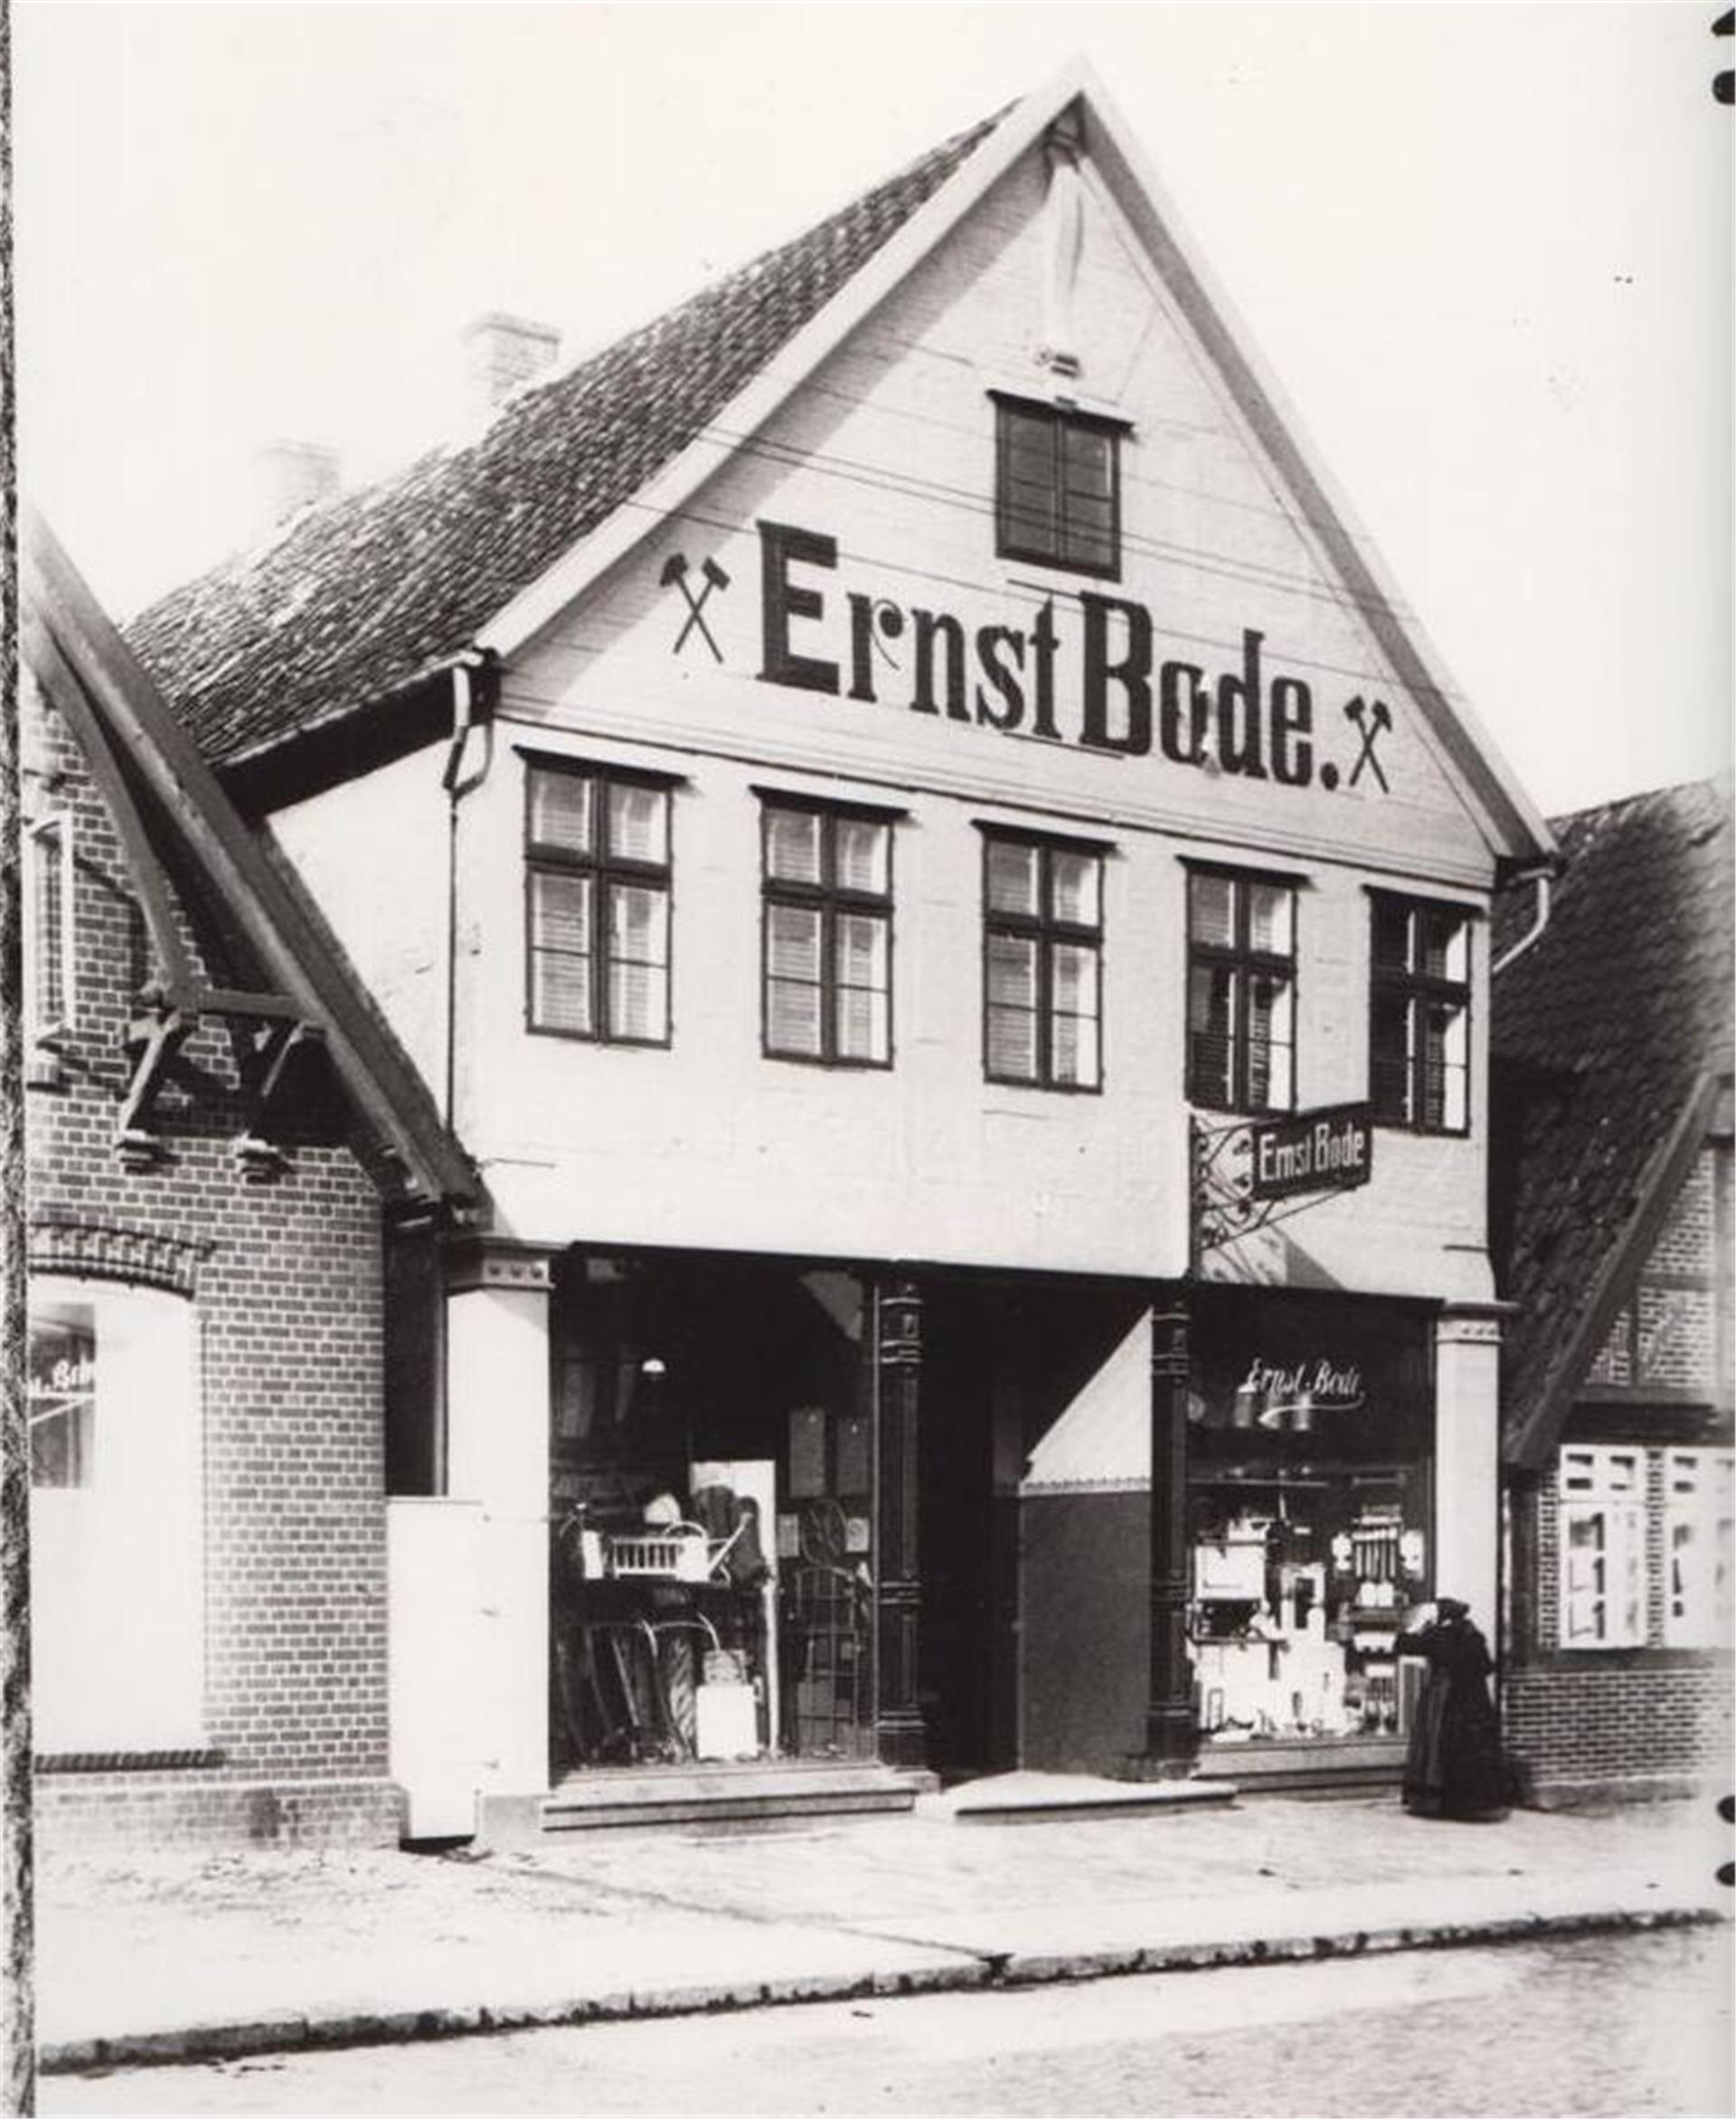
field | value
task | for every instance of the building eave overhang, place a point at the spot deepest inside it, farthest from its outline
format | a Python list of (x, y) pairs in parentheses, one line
[(69, 639), (1534, 1433)]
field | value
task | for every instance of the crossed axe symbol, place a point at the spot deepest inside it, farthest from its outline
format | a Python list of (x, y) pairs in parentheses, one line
[(675, 570), (1370, 722)]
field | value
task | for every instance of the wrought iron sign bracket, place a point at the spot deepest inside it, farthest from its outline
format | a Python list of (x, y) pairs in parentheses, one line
[(1225, 1203)]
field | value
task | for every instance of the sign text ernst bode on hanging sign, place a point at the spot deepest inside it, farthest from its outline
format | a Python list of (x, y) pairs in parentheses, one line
[(1329, 1151)]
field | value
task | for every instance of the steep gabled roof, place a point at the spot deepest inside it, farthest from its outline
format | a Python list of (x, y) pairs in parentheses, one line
[(384, 585), (143, 761), (478, 548), (1609, 1035)]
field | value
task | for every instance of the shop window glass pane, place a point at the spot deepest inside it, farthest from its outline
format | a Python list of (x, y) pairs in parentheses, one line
[(793, 942), (1013, 877), (1073, 887), (562, 811), (793, 1017), (1013, 1043), (860, 851), (1212, 911), (793, 845), (61, 1388), (639, 823)]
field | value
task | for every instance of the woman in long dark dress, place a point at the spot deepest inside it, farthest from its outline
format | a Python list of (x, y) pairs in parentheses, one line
[(1454, 1765)]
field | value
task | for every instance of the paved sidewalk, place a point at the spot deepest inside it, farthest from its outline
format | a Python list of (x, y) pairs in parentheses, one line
[(175, 1956)]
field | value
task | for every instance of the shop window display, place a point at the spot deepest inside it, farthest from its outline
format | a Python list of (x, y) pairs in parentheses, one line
[(1309, 1517), (711, 1492)]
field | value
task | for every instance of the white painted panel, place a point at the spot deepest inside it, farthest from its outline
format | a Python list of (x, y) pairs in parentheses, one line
[(889, 452), (373, 853), (434, 1671)]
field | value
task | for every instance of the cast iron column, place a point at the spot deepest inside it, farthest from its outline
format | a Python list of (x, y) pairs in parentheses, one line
[(1172, 1737), (900, 1738)]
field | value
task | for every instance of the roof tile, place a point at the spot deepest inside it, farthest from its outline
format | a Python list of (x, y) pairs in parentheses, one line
[(362, 596)]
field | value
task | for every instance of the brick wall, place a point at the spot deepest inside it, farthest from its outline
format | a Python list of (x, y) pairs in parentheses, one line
[(1593, 1722), (285, 1278)]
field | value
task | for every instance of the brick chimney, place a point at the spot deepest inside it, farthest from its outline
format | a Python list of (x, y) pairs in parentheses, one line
[(292, 476), (500, 352)]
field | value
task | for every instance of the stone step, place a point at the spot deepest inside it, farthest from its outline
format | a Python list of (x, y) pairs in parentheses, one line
[(726, 1795), (1313, 1767), (1041, 1798)]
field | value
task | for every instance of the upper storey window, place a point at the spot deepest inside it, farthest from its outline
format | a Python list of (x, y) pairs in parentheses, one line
[(1419, 1030), (597, 904), (1241, 991), (1042, 962), (828, 934), (1057, 487)]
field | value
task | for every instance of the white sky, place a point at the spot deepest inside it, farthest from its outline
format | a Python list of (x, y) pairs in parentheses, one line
[(1486, 249)]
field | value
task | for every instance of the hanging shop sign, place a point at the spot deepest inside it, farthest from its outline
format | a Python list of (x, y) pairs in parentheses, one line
[(1328, 1151), (1088, 672)]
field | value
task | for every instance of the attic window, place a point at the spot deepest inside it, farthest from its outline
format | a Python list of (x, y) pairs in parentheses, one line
[(1057, 486)]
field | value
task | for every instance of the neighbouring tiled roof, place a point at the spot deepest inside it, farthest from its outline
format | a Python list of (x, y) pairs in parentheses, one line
[(1602, 1033), (366, 593)]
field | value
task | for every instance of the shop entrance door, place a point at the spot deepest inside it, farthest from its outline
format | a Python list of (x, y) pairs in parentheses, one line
[(826, 1556), (711, 1499)]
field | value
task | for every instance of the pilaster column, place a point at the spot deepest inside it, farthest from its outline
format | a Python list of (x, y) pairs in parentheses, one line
[(497, 1453), (899, 1738), (1171, 1734), (1468, 1457)]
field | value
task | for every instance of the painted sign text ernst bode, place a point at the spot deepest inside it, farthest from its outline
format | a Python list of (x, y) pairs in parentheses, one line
[(1315, 1151), (1248, 720)]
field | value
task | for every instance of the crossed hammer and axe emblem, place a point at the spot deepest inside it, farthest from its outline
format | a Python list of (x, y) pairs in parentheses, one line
[(1371, 721), (674, 574)]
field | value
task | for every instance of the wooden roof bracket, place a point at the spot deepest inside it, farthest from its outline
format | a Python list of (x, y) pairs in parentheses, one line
[(175, 1001)]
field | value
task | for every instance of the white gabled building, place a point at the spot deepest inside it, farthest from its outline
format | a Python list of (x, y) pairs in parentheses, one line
[(876, 802)]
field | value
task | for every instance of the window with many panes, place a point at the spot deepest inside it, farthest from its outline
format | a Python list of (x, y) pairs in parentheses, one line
[(49, 955), (1699, 1522), (597, 904), (1240, 991), (827, 885), (1602, 1532), (1057, 487), (1042, 909), (1420, 1023)]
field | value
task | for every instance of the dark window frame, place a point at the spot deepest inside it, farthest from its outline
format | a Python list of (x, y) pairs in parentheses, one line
[(1415, 989), (1245, 963), (1046, 931), (831, 900), (604, 868), (1009, 542)]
